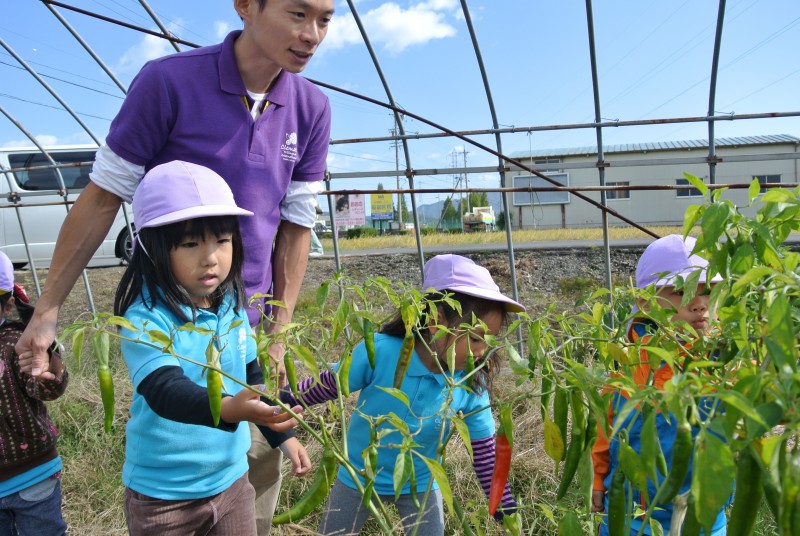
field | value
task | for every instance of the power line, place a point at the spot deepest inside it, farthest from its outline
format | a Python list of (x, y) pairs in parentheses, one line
[(66, 81), (60, 109)]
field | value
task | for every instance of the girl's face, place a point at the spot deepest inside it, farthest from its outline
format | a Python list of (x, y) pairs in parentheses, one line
[(696, 312), (467, 339), (201, 264)]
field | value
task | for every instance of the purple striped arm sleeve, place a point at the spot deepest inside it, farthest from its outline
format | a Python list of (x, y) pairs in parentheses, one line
[(311, 392), (483, 462)]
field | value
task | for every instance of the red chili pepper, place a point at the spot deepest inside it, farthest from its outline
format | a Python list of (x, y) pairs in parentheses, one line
[(502, 464)]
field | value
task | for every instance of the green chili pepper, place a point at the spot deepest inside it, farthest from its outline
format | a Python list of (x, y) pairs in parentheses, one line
[(747, 496), (403, 361), (369, 342), (681, 457), (100, 346), (547, 385), (214, 388), (560, 410), (317, 492), (617, 503), (691, 526), (291, 373), (470, 366), (107, 395), (790, 495), (575, 449)]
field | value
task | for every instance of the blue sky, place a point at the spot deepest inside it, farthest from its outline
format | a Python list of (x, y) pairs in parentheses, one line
[(654, 60)]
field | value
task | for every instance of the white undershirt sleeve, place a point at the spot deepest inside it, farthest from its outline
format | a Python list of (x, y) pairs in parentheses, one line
[(299, 205), (114, 174)]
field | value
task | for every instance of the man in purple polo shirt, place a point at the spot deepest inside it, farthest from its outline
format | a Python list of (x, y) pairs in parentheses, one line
[(240, 109)]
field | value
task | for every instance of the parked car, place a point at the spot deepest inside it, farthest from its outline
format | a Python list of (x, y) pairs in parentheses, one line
[(40, 209)]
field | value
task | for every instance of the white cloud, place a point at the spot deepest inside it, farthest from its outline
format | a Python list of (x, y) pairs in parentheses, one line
[(149, 48), (222, 28), (394, 27), (46, 140)]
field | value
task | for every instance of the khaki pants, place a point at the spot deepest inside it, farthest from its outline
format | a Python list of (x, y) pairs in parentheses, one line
[(265, 476)]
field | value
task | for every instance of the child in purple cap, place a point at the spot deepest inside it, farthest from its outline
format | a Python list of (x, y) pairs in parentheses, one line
[(666, 264), (483, 312), (183, 474), (30, 467)]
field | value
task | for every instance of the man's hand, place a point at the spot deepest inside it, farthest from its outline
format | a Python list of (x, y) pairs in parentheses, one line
[(295, 451), (32, 346), (247, 406), (598, 506)]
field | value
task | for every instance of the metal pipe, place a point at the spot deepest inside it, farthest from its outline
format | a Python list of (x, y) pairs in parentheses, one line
[(60, 178), (601, 171), (712, 94), (499, 143), (86, 47), (399, 122), (51, 90), (160, 24)]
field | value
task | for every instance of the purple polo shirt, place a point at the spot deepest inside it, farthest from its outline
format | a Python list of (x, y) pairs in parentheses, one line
[(188, 106)]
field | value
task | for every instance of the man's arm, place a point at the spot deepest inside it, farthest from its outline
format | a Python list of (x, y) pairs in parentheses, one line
[(83, 231)]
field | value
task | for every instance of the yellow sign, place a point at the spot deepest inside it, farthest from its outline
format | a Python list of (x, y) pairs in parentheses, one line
[(381, 206)]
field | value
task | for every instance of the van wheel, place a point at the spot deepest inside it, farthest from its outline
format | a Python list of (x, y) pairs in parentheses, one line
[(19, 265), (124, 246)]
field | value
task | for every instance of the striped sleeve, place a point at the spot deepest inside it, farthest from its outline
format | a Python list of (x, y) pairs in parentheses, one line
[(483, 463), (312, 391)]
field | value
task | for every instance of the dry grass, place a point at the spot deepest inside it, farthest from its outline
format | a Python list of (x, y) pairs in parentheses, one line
[(497, 237)]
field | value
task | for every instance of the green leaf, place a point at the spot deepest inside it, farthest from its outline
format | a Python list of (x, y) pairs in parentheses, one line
[(744, 257), (749, 277), (753, 191), (697, 182), (306, 357), (322, 293), (570, 525), (781, 339), (518, 366), (692, 216), (340, 319), (778, 195), (713, 472), (397, 393), (122, 322), (100, 346), (77, 344), (713, 224), (439, 474), (631, 464), (463, 431), (744, 405), (159, 337), (553, 443), (401, 473)]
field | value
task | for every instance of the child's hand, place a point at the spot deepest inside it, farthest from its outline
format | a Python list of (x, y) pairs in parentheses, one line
[(598, 505), (295, 451), (247, 406)]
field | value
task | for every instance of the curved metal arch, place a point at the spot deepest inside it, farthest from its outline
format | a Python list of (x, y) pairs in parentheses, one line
[(498, 143), (399, 122), (712, 93)]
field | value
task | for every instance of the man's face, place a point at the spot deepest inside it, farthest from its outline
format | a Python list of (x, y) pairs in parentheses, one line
[(287, 32)]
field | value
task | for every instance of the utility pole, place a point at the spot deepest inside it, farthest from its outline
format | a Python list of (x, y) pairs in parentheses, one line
[(396, 145)]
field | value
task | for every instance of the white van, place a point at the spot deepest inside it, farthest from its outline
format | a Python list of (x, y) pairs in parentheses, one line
[(41, 204)]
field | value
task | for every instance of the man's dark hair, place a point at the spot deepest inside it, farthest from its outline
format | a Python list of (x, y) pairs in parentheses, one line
[(152, 269)]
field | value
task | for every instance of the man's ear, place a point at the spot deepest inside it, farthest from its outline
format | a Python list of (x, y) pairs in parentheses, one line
[(242, 7)]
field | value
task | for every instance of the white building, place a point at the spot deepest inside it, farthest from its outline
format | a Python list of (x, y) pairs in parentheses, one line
[(773, 159)]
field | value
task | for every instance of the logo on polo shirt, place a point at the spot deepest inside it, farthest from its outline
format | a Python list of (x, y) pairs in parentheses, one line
[(242, 343), (289, 148)]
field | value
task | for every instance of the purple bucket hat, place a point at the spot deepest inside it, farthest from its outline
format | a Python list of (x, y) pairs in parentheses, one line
[(668, 258), (460, 274), (178, 191)]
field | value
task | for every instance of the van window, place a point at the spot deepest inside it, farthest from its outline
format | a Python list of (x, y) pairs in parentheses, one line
[(75, 178)]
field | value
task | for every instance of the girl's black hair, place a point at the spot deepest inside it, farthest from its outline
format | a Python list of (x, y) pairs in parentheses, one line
[(152, 269), (450, 317), (24, 308)]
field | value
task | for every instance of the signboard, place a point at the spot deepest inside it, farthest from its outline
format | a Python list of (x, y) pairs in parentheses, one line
[(349, 210), (381, 206), (540, 198)]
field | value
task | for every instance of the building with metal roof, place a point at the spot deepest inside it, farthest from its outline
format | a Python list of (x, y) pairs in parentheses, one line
[(658, 193)]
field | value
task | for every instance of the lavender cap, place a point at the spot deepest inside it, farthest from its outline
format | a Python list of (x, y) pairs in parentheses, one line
[(667, 258), (460, 274), (6, 274), (178, 191)]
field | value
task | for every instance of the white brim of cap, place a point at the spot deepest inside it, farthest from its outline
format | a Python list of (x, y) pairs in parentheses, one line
[(510, 305), (195, 212)]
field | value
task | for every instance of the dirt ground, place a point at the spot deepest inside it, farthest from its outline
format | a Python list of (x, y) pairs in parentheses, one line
[(542, 275)]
